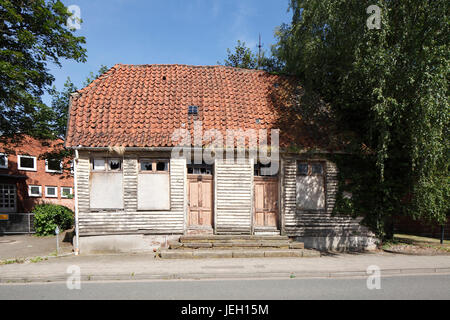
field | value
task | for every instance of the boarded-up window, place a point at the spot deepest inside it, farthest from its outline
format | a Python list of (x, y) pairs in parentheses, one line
[(153, 185), (106, 190), (310, 186)]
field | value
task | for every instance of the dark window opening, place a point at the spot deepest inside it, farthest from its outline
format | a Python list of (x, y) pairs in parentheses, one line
[(26, 162), (302, 169), (54, 165), (114, 164), (200, 169), (2, 160), (306, 169), (264, 170), (161, 166), (316, 168)]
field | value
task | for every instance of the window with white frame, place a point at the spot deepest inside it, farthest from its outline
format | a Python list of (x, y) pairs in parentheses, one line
[(53, 165), (66, 192), (310, 185), (107, 164), (106, 183), (51, 192), (27, 163), (154, 184), (3, 161), (35, 191), (154, 166)]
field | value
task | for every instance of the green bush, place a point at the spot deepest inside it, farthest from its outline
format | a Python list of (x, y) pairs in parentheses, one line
[(47, 216)]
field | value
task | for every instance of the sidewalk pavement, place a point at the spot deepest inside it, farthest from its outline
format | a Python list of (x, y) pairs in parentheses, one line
[(25, 246), (147, 267)]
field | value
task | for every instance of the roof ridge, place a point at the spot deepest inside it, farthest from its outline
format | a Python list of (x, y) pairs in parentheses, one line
[(187, 65), (100, 78)]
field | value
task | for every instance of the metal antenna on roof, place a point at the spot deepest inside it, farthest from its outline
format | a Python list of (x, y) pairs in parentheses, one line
[(259, 51)]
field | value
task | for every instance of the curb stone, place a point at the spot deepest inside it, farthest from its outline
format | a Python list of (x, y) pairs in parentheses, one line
[(224, 275)]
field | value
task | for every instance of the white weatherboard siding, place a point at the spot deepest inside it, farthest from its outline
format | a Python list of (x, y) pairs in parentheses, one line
[(233, 197), (130, 220), (315, 223)]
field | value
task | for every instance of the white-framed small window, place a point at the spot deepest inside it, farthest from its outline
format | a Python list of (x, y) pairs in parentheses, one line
[(98, 164), (154, 166), (35, 191), (3, 161), (114, 165), (53, 165), (106, 164), (27, 163), (66, 192), (51, 192)]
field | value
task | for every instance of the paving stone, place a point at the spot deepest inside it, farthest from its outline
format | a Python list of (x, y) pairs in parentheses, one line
[(174, 244), (176, 254), (248, 253), (296, 245), (283, 253), (310, 253), (195, 245), (212, 254)]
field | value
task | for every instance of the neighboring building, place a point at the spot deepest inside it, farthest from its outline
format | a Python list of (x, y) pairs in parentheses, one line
[(27, 179), (134, 192)]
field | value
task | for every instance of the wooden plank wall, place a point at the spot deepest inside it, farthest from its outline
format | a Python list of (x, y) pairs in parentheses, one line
[(233, 197), (130, 220), (298, 223)]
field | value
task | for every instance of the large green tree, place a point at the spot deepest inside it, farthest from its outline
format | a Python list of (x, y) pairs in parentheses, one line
[(389, 85), (33, 33)]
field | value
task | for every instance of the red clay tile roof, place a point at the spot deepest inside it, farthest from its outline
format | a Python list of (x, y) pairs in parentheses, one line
[(142, 105)]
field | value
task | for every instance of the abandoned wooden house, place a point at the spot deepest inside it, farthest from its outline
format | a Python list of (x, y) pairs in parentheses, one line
[(132, 193)]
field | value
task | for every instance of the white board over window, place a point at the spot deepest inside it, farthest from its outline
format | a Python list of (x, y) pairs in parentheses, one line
[(310, 192), (153, 191), (106, 190)]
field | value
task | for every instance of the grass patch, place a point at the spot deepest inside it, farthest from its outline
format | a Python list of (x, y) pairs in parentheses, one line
[(416, 241), (11, 261)]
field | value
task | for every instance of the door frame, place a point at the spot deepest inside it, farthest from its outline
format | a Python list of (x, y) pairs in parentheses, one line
[(198, 177), (275, 179)]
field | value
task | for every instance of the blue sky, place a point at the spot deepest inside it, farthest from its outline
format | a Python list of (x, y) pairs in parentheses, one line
[(195, 32)]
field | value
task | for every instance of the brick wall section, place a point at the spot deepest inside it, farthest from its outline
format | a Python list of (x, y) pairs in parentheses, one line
[(33, 147)]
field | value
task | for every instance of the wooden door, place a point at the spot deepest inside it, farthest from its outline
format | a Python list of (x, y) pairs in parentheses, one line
[(200, 200), (265, 201)]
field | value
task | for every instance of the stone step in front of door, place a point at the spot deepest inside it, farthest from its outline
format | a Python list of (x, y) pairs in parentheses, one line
[(236, 245), (256, 253), (231, 238)]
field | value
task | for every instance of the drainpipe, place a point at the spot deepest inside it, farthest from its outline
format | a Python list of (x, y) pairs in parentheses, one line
[(77, 234)]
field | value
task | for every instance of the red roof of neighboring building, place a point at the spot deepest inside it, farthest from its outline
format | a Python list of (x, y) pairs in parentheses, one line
[(142, 105)]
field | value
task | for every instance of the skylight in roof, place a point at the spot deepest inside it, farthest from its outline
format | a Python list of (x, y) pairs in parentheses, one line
[(193, 110)]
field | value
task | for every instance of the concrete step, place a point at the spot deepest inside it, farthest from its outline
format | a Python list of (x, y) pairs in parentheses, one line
[(239, 238), (236, 245), (258, 253)]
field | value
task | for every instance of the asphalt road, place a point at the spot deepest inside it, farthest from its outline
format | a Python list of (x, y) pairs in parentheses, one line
[(399, 287)]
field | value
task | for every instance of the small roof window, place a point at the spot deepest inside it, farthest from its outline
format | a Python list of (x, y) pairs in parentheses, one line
[(193, 110)]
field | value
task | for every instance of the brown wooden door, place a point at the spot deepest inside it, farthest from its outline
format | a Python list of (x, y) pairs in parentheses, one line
[(200, 200), (266, 201)]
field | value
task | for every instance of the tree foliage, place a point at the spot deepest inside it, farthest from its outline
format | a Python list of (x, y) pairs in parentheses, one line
[(387, 85), (244, 57), (32, 34), (60, 101)]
